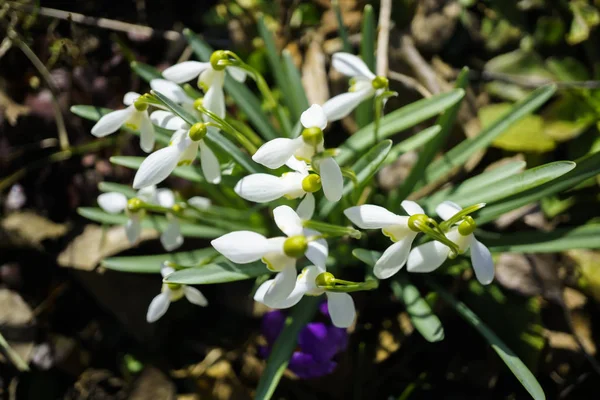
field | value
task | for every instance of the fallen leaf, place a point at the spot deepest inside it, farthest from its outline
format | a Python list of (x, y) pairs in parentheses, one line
[(15, 314), (152, 384), (530, 275), (29, 228), (314, 74)]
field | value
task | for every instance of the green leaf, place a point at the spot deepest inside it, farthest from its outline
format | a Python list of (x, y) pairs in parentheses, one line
[(294, 80), (117, 187), (581, 237), (474, 185), (412, 143), (347, 47), (244, 98), (459, 154), (501, 189), (518, 368), (419, 311), (152, 264), (284, 346), (587, 167), (396, 121), (364, 111), (217, 272), (213, 139), (365, 168), (151, 221), (145, 71)]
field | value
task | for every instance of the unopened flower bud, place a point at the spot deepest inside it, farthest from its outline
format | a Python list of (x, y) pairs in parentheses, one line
[(215, 57), (134, 205), (380, 82), (311, 183), (325, 279), (295, 246), (312, 136), (467, 226), (198, 131)]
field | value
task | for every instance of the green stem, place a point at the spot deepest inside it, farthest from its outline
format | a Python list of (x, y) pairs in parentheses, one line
[(332, 230), (229, 130)]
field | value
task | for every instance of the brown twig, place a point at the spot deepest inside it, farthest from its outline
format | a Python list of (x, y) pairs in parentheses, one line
[(410, 83), (383, 37)]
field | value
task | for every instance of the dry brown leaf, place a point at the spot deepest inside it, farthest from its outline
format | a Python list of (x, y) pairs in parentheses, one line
[(314, 74), (12, 111), (95, 243), (152, 384), (29, 228), (15, 313), (530, 275)]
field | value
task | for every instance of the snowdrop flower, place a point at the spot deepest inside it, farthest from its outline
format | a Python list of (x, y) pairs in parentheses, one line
[(364, 84), (116, 203), (340, 304), (171, 292), (278, 152), (429, 256), (183, 149), (135, 116), (278, 253), (211, 76), (397, 227), (173, 92)]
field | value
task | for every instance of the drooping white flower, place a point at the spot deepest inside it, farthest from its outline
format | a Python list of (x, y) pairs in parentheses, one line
[(340, 305), (170, 293), (394, 226), (278, 253), (209, 79), (183, 149), (431, 255), (278, 152), (135, 116), (116, 203), (365, 84)]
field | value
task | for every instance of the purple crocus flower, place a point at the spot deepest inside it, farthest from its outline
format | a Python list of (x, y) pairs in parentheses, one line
[(318, 343)]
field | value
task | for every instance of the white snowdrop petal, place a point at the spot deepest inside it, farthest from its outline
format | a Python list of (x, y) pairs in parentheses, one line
[(313, 117), (306, 208), (351, 65), (171, 90), (393, 258), (447, 209), (146, 132), (343, 104), (214, 100), (260, 188), (427, 257), (165, 197), (242, 247), (165, 270), (158, 307), (281, 288), (237, 73), (111, 122), (167, 120), (341, 309), (171, 237), (317, 250), (483, 265), (276, 152), (185, 71), (369, 216), (332, 179), (112, 202), (287, 220), (200, 202), (157, 166), (130, 98), (210, 164), (133, 228), (297, 165), (411, 207), (148, 194), (194, 296)]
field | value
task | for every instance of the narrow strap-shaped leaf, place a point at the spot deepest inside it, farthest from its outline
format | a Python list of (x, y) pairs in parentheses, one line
[(294, 80), (420, 313), (117, 187), (581, 237), (284, 346), (365, 168), (364, 112), (152, 264), (459, 154), (243, 97), (145, 71), (221, 271), (586, 168), (412, 143), (396, 121), (341, 26), (518, 368)]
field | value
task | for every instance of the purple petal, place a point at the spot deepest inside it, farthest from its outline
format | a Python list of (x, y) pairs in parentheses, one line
[(322, 341), (272, 325), (305, 366), (323, 309)]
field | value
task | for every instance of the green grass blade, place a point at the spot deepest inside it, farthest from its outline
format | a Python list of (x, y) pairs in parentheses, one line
[(586, 168), (412, 143), (221, 271), (396, 121), (581, 237), (152, 264), (347, 47), (145, 71), (294, 80), (364, 112), (117, 187), (243, 97), (459, 154), (284, 346), (518, 368)]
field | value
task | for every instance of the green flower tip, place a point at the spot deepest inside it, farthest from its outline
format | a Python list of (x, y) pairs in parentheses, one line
[(295, 246), (311, 183), (312, 136), (198, 131), (198, 102), (325, 279), (417, 220), (467, 226), (134, 205), (140, 104), (380, 82), (215, 60)]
